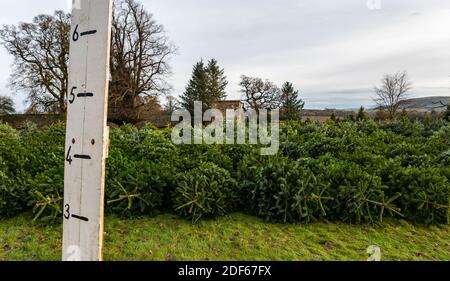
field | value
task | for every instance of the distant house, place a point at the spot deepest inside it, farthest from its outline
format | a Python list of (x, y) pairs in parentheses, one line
[(223, 106), (137, 110)]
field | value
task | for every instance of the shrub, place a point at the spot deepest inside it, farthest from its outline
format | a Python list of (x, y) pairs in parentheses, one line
[(409, 155), (191, 156), (425, 192), (12, 153), (444, 158), (46, 191), (12, 196), (136, 187), (12, 158), (285, 192), (404, 127), (204, 192), (43, 173), (43, 148), (348, 171), (359, 196)]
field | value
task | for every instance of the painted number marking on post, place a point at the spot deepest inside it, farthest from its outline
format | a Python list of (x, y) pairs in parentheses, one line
[(77, 35), (85, 95), (68, 215), (85, 157), (86, 131), (72, 95)]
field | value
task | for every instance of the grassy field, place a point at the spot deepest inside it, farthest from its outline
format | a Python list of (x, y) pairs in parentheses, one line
[(235, 237)]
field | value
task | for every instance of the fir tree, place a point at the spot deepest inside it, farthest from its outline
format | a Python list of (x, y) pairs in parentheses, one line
[(333, 117), (207, 85), (361, 114), (291, 104), (217, 81), (197, 87)]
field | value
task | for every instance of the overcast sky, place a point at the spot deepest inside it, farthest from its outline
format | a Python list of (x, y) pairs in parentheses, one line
[(333, 51)]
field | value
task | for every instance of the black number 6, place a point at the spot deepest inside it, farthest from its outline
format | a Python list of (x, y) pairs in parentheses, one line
[(67, 211), (75, 35)]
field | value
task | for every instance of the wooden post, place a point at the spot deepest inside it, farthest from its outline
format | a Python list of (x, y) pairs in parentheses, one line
[(86, 133)]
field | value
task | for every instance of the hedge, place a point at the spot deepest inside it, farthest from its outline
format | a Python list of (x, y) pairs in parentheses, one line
[(356, 172)]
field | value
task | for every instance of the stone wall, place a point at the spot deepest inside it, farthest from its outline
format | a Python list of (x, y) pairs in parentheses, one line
[(18, 121)]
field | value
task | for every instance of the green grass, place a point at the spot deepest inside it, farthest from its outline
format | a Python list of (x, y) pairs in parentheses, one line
[(235, 237)]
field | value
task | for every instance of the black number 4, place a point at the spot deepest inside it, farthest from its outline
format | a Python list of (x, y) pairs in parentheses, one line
[(69, 157)]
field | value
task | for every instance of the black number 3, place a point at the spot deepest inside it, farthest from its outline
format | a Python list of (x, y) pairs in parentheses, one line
[(67, 211)]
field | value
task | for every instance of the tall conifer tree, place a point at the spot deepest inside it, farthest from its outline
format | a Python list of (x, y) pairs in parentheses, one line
[(291, 104), (207, 84)]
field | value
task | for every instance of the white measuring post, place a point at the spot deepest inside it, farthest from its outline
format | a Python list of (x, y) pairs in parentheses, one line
[(86, 133)]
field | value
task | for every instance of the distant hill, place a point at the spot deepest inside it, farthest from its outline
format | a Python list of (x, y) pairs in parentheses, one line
[(419, 105), (425, 104)]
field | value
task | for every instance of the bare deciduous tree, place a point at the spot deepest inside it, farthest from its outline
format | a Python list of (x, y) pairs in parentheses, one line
[(440, 104), (139, 59), (259, 94), (41, 51), (6, 105), (171, 105), (393, 91)]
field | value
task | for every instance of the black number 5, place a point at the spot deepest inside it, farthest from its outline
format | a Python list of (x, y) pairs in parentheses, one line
[(75, 35), (72, 95), (67, 211)]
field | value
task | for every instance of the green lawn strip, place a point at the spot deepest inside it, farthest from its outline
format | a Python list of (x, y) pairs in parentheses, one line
[(234, 237)]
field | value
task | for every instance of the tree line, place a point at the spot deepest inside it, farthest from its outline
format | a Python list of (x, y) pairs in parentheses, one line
[(208, 85), (139, 68), (139, 62)]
